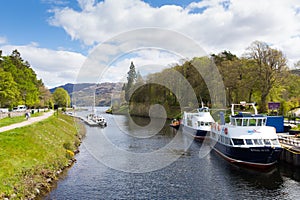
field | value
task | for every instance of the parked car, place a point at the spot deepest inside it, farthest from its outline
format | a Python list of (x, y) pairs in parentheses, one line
[(4, 110), (20, 108)]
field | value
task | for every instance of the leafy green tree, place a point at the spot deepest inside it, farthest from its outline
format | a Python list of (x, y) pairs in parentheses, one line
[(270, 67), (61, 97), (25, 78), (8, 89)]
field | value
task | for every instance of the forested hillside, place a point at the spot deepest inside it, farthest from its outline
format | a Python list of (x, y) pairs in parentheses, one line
[(261, 75)]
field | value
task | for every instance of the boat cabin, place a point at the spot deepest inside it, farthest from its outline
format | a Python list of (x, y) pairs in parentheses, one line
[(248, 119)]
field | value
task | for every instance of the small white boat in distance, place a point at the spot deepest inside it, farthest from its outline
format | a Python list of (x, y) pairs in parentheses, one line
[(100, 120)]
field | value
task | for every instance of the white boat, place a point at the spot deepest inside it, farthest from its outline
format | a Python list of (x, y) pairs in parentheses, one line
[(100, 120), (246, 139), (197, 124), (94, 118)]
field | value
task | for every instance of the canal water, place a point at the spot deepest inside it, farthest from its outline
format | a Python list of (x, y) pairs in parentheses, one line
[(126, 161)]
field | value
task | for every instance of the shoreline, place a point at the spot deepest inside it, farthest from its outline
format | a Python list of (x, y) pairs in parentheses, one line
[(35, 174)]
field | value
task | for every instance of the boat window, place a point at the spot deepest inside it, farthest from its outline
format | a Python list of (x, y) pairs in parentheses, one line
[(248, 141), (202, 123), (238, 122), (257, 142), (267, 142), (238, 141), (259, 122), (275, 141), (189, 122), (252, 122), (263, 122), (233, 122), (245, 122), (227, 140)]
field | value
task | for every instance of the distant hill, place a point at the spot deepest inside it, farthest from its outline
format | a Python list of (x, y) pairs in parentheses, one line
[(83, 94), (70, 86), (296, 71)]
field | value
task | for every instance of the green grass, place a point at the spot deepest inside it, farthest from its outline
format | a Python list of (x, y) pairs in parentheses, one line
[(13, 120), (31, 155)]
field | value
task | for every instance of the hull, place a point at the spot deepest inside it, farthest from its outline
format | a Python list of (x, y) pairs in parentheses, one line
[(195, 133), (256, 157), (175, 126)]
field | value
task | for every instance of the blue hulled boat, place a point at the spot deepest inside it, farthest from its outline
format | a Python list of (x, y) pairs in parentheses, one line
[(246, 139)]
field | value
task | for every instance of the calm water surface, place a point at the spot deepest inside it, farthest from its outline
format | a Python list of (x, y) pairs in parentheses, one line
[(189, 177)]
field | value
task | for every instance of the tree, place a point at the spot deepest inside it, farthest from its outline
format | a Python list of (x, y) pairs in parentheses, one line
[(8, 89), (131, 78), (25, 78), (45, 95), (61, 97), (270, 65)]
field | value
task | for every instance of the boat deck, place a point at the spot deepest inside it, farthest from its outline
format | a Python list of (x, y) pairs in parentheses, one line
[(291, 148)]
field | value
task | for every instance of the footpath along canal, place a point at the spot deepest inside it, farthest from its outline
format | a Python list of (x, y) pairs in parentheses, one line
[(102, 173)]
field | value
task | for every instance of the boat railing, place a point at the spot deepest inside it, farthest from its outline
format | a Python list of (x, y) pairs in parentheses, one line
[(289, 140)]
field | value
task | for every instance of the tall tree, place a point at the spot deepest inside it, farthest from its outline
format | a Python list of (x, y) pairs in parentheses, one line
[(131, 78), (270, 63), (8, 89), (61, 97), (25, 78)]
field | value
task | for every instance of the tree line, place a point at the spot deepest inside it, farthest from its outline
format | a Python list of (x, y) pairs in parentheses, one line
[(19, 85), (261, 75)]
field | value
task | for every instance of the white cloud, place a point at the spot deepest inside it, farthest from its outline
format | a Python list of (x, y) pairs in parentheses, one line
[(53, 67), (3, 40), (151, 49), (220, 25), (232, 27)]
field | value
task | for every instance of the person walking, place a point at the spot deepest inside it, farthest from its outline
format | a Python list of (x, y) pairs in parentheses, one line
[(27, 115)]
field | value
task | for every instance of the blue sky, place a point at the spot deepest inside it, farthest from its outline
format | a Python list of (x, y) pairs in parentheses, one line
[(25, 21), (57, 36)]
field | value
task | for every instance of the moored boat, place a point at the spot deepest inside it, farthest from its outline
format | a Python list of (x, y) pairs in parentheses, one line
[(197, 124), (175, 123), (246, 139), (100, 120)]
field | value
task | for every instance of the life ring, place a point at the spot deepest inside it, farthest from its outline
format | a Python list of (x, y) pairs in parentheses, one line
[(226, 131)]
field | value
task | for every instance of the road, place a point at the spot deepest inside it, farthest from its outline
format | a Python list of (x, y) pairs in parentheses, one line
[(27, 122)]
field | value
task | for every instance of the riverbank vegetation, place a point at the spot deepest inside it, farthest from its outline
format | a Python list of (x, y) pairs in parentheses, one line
[(19, 85), (33, 156), (261, 75)]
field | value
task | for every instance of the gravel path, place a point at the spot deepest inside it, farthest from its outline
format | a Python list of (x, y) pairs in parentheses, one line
[(27, 122)]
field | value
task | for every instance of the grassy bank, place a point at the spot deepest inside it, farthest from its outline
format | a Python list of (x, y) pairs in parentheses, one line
[(32, 157)]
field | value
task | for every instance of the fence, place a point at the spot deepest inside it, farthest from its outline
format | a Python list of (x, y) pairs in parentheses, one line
[(22, 113), (289, 140)]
